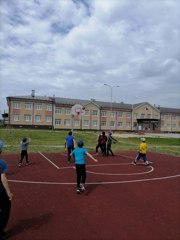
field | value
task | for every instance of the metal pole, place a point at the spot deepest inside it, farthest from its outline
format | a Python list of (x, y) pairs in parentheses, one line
[(111, 88)]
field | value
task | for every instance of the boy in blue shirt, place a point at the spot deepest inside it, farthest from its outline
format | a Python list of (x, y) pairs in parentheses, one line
[(69, 144), (79, 155), (5, 196)]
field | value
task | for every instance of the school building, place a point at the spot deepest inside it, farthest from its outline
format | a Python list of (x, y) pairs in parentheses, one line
[(55, 113)]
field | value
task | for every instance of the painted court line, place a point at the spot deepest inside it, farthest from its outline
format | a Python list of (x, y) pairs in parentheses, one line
[(150, 169), (99, 183), (49, 160)]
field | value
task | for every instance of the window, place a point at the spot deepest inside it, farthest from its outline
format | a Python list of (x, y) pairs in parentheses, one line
[(112, 114), (76, 123), (142, 115), (86, 123), (128, 115), (112, 124), (86, 113), (94, 112), (16, 105), (57, 110), (168, 117), (38, 106), (48, 119), (57, 122), (67, 122), (174, 126), (27, 118), (37, 118), (173, 117), (103, 123), (67, 111), (120, 124), (28, 106), (49, 107), (120, 114), (103, 113), (95, 123), (16, 117)]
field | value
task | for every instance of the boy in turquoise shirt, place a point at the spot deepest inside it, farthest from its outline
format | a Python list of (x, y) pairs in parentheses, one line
[(79, 155)]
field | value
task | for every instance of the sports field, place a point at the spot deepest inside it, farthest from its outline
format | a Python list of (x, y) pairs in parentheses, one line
[(121, 201)]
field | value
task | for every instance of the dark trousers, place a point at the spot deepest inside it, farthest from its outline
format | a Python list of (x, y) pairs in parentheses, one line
[(69, 150), (109, 150), (24, 154), (103, 149), (5, 208), (97, 147), (81, 174)]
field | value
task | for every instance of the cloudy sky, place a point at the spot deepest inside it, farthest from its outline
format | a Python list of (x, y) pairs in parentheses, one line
[(70, 48)]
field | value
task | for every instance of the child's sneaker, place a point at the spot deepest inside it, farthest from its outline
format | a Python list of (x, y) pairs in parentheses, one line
[(82, 187), (20, 165), (78, 191), (134, 162)]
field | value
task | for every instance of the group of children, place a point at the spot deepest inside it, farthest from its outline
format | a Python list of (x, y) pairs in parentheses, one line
[(79, 154), (104, 143)]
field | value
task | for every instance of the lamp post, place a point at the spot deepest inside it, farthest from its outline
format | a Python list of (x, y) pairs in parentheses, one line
[(111, 88)]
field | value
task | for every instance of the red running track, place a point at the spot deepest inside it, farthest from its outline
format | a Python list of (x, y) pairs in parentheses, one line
[(122, 201)]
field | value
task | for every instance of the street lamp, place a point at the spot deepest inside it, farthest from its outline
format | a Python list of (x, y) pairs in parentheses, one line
[(111, 88)]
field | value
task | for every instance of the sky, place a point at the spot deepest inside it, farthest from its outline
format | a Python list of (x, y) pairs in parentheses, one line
[(71, 48)]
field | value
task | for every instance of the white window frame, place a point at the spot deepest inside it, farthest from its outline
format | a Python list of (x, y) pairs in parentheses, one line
[(28, 106), (16, 105)]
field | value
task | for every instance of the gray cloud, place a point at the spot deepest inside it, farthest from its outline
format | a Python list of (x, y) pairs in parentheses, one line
[(71, 48)]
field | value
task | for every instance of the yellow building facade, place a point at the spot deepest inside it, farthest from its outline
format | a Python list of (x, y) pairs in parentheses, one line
[(56, 113)]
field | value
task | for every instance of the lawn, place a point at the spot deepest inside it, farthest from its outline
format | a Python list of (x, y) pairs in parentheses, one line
[(53, 141)]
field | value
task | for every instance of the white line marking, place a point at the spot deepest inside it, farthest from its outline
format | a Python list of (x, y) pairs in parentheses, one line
[(122, 174), (49, 160), (97, 183)]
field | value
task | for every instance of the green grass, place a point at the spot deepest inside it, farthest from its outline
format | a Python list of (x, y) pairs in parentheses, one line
[(53, 141)]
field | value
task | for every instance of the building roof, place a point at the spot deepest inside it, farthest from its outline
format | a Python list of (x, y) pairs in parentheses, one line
[(101, 104)]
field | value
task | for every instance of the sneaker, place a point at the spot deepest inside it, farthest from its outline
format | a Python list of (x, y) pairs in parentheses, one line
[(82, 187), (20, 165), (78, 191), (134, 162), (147, 164), (27, 163)]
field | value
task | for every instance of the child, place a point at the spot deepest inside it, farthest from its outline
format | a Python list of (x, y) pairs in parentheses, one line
[(142, 152), (98, 143), (5, 196), (79, 155), (103, 140), (24, 151), (110, 140), (69, 144)]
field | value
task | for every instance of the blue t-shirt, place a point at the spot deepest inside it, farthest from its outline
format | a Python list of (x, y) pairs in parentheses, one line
[(80, 155), (70, 141), (3, 169)]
